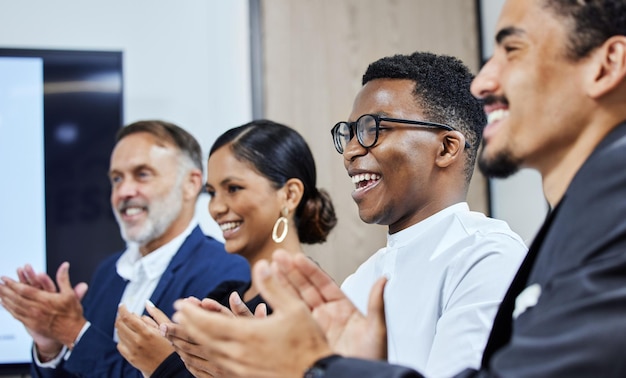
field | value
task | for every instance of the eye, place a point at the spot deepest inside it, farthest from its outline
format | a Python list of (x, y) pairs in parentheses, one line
[(144, 174), (509, 48), (115, 179), (210, 192), (234, 188)]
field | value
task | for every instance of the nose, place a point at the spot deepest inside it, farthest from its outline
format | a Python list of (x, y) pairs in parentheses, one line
[(217, 207), (486, 82), (353, 149), (125, 189)]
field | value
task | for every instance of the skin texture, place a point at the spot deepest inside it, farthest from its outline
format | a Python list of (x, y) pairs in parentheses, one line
[(527, 77), (420, 168), (244, 347)]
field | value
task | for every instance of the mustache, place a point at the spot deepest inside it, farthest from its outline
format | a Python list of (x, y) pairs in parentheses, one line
[(131, 203), (493, 99)]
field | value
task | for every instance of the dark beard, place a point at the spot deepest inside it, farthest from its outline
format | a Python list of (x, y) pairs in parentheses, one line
[(500, 166)]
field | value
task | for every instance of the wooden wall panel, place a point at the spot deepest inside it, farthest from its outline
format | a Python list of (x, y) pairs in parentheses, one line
[(314, 54)]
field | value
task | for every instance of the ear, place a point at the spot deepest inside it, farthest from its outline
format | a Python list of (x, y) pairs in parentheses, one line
[(192, 185), (293, 190), (610, 68), (451, 149)]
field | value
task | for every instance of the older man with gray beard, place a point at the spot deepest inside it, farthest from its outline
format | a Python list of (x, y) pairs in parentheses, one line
[(156, 176)]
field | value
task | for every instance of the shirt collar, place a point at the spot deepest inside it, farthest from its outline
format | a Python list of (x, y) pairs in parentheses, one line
[(155, 262), (405, 236)]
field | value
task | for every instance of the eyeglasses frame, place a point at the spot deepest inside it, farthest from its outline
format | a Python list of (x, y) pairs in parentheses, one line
[(378, 119)]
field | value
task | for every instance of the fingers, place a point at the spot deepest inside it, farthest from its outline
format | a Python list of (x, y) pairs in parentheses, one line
[(204, 325), (238, 307), (193, 300), (260, 311), (376, 303), (376, 317), (175, 333), (63, 278), (278, 294), (214, 306), (27, 275), (149, 322), (156, 314), (46, 283), (313, 285), (42, 281), (128, 319), (18, 292), (321, 281), (80, 290)]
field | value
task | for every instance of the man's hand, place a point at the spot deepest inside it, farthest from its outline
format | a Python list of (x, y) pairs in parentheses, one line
[(348, 332), (283, 344), (53, 318), (140, 340)]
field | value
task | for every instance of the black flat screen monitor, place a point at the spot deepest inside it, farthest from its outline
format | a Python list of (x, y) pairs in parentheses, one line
[(59, 112)]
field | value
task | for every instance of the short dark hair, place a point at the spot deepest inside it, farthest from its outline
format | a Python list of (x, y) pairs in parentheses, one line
[(592, 22), (279, 153), (442, 89), (167, 132)]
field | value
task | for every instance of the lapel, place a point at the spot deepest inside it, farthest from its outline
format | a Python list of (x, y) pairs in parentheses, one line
[(181, 257), (503, 322)]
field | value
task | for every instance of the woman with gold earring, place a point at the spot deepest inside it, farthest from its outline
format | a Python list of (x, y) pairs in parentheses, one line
[(262, 181)]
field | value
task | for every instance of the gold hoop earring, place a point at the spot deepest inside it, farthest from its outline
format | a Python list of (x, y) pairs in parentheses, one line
[(279, 239)]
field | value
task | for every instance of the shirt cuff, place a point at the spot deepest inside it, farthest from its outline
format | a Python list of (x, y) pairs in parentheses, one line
[(80, 334), (52, 364)]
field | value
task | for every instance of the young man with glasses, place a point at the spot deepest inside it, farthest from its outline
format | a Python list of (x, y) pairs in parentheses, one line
[(409, 148)]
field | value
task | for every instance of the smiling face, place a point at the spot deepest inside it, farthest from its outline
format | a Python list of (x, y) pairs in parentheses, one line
[(147, 192), (244, 204), (396, 179), (533, 92)]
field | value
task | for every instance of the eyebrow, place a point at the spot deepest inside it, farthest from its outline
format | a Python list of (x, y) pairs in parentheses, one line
[(507, 32), (225, 181)]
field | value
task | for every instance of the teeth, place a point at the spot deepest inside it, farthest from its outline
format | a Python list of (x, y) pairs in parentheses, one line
[(497, 115), (365, 177), (133, 211), (229, 225)]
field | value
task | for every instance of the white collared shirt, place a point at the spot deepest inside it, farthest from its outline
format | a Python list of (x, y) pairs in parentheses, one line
[(144, 272), (448, 274)]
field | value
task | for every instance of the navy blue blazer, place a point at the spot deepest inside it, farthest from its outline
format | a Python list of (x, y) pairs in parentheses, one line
[(199, 266), (578, 260)]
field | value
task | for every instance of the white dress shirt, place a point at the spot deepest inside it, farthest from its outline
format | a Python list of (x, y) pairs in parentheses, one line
[(144, 272), (447, 275)]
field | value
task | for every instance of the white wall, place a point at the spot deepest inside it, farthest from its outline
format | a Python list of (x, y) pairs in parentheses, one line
[(518, 199), (185, 61)]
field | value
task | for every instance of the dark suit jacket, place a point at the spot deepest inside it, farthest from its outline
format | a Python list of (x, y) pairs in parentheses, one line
[(200, 265), (578, 326)]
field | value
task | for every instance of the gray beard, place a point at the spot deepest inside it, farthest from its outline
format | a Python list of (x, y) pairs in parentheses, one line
[(162, 213)]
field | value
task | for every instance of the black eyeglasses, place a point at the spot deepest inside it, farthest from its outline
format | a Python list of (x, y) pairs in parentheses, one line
[(367, 128)]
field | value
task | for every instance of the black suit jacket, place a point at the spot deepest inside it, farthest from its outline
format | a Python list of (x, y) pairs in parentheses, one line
[(578, 326)]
